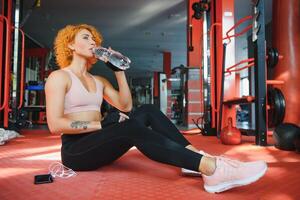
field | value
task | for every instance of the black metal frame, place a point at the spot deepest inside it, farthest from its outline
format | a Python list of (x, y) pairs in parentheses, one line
[(260, 72)]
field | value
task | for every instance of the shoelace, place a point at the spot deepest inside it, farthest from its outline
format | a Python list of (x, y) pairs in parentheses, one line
[(59, 170), (233, 163)]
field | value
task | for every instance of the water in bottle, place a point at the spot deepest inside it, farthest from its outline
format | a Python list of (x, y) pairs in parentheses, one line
[(114, 57)]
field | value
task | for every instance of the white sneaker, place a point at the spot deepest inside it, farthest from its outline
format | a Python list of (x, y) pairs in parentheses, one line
[(188, 172), (232, 173)]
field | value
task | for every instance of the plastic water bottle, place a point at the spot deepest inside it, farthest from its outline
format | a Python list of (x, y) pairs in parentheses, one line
[(114, 57)]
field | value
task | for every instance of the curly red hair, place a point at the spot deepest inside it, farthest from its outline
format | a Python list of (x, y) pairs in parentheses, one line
[(66, 36)]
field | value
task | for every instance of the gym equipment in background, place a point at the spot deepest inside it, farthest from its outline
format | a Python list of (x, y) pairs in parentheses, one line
[(285, 135), (285, 37), (297, 143), (230, 135), (272, 57), (277, 105)]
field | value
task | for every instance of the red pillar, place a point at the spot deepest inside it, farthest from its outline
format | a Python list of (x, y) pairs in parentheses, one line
[(286, 38), (155, 88), (155, 85), (167, 71), (1, 38), (8, 51), (193, 85), (222, 23), (230, 82)]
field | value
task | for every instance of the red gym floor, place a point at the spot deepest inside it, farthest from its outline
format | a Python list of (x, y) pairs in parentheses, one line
[(136, 177)]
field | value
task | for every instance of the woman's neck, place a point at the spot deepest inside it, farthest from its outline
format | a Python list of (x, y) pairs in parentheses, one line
[(78, 66)]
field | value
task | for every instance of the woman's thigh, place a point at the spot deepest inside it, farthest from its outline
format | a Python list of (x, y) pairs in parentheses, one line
[(97, 148)]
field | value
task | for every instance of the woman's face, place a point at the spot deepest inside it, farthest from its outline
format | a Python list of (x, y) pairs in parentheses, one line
[(83, 44)]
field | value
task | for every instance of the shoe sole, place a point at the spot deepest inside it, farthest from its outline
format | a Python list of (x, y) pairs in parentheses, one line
[(229, 185), (186, 172)]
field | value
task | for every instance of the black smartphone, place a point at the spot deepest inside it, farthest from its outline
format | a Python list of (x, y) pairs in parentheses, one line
[(43, 178)]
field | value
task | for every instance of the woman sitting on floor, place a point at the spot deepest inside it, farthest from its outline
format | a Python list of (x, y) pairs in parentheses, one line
[(73, 101)]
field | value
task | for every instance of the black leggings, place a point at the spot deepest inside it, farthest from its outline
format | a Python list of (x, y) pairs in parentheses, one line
[(148, 129)]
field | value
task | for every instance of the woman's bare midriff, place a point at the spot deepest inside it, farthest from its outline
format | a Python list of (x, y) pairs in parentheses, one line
[(84, 116)]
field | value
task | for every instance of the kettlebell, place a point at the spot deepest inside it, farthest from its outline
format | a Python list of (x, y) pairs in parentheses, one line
[(230, 135)]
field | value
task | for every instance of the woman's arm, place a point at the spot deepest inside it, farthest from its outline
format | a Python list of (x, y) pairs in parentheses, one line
[(55, 90), (120, 99)]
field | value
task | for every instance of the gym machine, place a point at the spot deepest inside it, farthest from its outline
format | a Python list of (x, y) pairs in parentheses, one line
[(16, 106), (215, 71)]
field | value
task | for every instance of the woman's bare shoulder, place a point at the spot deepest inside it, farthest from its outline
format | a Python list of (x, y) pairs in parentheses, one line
[(59, 76)]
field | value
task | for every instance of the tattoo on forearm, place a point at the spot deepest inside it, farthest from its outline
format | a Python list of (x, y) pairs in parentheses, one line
[(80, 124)]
